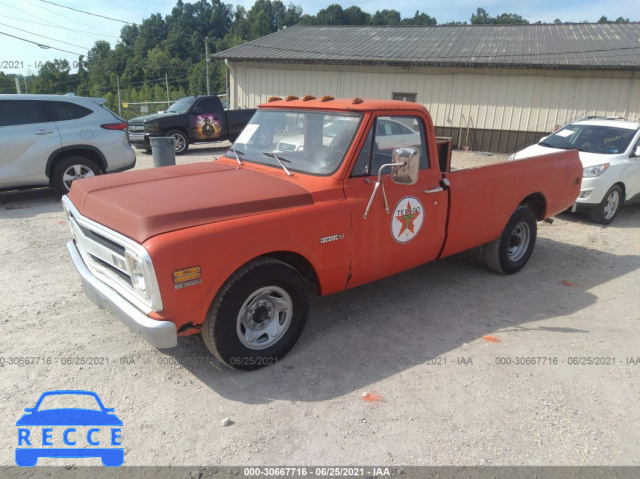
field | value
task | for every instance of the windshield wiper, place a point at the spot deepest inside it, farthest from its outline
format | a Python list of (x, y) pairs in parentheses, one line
[(236, 152), (280, 161)]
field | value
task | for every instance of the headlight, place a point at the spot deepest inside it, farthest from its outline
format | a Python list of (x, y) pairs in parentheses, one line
[(512, 157), (136, 271), (151, 127), (593, 171)]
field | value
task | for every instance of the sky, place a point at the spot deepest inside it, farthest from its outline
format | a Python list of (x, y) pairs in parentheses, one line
[(47, 23)]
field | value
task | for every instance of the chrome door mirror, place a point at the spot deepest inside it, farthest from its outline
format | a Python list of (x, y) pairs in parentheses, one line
[(636, 152), (408, 173)]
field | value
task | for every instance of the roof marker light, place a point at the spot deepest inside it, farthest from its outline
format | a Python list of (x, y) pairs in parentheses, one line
[(327, 98), (356, 100), (308, 97), (291, 97), (273, 98)]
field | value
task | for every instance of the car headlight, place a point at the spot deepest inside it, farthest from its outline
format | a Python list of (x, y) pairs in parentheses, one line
[(136, 271), (512, 157), (593, 171), (151, 127)]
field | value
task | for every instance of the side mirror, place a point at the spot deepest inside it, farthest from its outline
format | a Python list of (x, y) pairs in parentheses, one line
[(407, 174), (636, 152)]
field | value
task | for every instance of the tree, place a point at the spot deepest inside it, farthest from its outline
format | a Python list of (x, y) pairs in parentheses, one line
[(355, 16), (386, 17), (332, 15), (481, 17), (420, 19)]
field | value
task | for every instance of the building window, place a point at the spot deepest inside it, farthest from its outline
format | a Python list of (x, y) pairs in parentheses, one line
[(405, 96)]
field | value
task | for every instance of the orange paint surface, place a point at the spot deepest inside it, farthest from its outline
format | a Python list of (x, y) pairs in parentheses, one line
[(372, 397), (491, 339), (569, 283)]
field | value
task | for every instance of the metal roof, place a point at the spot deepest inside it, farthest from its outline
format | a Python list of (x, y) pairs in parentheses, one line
[(573, 46)]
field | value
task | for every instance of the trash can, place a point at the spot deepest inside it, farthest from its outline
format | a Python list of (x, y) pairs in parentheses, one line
[(163, 150)]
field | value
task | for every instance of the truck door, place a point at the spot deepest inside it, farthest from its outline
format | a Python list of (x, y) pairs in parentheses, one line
[(413, 231), (206, 120)]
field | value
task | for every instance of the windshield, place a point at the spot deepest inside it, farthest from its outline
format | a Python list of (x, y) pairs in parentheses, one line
[(181, 106), (304, 141), (605, 140)]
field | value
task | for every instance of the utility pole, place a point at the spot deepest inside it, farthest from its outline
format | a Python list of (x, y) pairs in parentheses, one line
[(119, 98), (166, 80), (206, 61), (18, 85), (26, 90)]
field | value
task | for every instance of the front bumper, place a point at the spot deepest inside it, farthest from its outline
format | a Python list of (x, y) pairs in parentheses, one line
[(161, 334)]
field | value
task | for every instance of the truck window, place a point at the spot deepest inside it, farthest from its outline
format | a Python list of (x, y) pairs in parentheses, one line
[(206, 106), (387, 133)]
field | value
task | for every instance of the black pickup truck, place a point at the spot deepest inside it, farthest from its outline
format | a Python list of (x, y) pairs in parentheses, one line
[(194, 119)]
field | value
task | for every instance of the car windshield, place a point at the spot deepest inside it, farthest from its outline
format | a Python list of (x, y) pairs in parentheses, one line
[(69, 401), (605, 140), (181, 106), (303, 141)]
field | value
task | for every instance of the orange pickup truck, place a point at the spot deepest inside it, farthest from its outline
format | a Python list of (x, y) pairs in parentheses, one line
[(346, 191)]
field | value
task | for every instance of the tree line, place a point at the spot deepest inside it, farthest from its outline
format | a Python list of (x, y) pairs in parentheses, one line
[(166, 55)]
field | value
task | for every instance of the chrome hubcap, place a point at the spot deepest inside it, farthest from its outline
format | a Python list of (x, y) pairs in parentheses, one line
[(519, 241), (76, 172), (180, 142), (264, 317)]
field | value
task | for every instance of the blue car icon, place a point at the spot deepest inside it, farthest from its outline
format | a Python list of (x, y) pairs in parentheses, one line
[(90, 428)]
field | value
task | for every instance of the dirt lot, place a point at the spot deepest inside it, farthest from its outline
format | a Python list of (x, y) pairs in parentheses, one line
[(439, 350)]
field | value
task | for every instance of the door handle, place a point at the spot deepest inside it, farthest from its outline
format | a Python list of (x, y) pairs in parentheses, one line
[(444, 184), (44, 132)]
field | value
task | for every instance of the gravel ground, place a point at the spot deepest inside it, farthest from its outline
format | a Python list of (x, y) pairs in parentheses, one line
[(429, 367)]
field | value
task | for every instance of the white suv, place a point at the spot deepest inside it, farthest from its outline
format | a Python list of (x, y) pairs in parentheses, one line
[(52, 140), (610, 154)]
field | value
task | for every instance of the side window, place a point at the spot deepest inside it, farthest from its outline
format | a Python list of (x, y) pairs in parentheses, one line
[(206, 106), (21, 112), (390, 132), (62, 110)]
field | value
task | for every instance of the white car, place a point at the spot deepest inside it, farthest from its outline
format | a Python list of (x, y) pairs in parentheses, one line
[(389, 134), (610, 154), (53, 140)]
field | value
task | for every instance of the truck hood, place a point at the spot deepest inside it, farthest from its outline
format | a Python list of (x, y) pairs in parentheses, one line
[(587, 159), (148, 118), (145, 203)]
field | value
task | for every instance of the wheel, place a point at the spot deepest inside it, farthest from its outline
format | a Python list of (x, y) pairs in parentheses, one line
[(264, 138), (182, 141), (70, 169), (258, 315), (606, 211), (511, 251)]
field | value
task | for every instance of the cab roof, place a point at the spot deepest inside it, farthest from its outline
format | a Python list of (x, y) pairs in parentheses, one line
[(342, 104)]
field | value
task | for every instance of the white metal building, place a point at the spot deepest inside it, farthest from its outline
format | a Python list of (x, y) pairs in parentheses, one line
[(490, 87)]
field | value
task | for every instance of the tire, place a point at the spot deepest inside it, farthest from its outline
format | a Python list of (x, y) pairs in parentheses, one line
[(182, 141), (147, 150), (71, 169), (511, 251), (258, 315), (606, 211)]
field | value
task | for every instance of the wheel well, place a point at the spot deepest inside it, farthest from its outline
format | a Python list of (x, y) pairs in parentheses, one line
[(177, 129), (537, 204), (87, 153), (624, 192), (300, 263)]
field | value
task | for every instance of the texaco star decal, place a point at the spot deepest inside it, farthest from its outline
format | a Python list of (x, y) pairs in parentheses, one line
[(407, 219)]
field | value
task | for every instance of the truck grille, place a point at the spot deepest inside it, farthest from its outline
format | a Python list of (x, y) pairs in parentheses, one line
[(136, 128), (105, 253)]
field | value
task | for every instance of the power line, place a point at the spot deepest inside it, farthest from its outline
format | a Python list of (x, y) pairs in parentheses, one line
[(48, 38), (122, 6), (63, 16), (82, 11), (46, 47), (53, 25)]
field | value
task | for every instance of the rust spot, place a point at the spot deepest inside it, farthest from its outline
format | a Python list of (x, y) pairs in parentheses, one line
[(491, 339)]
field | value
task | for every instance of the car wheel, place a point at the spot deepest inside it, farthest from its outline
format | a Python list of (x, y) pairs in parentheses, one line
[(606, 211), (182, 141), (264, 137), (258, 315), (71, 169), (511, 251)]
